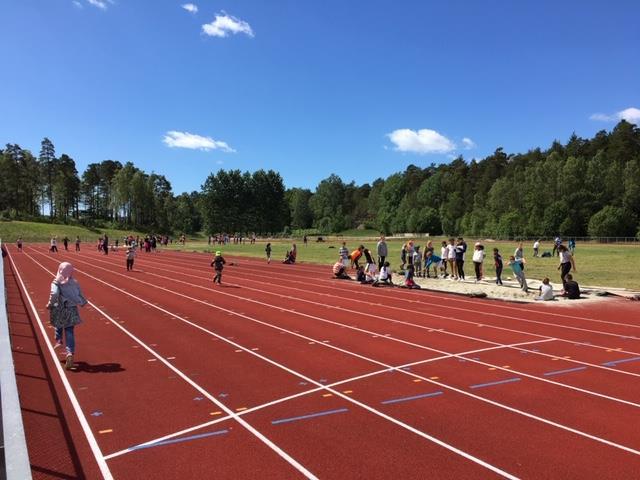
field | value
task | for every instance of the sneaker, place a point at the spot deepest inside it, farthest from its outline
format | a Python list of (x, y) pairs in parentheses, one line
[(69, 362), (57, 345)]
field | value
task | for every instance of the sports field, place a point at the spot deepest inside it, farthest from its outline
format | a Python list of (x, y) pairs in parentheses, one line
[(283, 372)]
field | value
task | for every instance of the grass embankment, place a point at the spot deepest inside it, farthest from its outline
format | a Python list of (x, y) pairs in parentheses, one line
[(42, 232), (610, 265)]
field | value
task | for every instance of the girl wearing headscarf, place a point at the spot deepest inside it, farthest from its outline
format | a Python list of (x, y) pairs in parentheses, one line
[(63, 304)]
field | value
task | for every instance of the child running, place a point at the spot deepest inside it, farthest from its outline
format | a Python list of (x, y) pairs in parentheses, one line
[(218, 265), (19, 244)]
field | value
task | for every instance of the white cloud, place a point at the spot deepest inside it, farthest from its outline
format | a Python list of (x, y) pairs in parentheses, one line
[(176, 139), (77, 3), (420, 141), (102, 4), (468, 143), (631, 115), (601, 117), (225, 24), (190, 7)]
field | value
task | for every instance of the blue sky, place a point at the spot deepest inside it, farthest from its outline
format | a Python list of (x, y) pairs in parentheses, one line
[(310, 88)]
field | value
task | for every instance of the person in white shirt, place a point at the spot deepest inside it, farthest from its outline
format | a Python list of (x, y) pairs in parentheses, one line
[(536, 248), (443, 256), (546, 290), (384, 278), (478, 258), (451, 259)]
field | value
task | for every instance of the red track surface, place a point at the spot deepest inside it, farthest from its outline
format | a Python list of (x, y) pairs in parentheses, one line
[(163, 350)]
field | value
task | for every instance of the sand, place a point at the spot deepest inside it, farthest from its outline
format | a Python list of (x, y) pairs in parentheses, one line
[(511, 290)]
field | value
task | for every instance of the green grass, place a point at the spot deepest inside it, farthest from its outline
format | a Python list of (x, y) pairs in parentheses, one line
[(42, 232), (610, 265)]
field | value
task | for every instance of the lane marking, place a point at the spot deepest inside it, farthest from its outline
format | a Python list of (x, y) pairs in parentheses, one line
[(108, 430), (414, 397), (499, 382), (298, 466), (196, 266), (568, 370), (624, 360), (367, 407), (91, 439), (331, 286), (179, 440), (311, 415)]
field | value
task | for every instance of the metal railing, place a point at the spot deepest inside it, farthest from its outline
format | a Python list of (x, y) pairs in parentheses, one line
[(14, 445)]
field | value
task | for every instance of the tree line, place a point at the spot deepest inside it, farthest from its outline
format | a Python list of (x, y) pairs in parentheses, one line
[(583, 187)]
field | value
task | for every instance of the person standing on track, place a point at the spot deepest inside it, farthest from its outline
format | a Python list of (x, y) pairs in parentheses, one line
[(64, 299), (53, 245), (267, 250), (77, 243), (65, 242), (19, 244), (218, 265), (105, 245), (130, 255)]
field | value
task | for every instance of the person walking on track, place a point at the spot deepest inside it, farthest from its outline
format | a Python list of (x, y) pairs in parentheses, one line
[(64, 299)]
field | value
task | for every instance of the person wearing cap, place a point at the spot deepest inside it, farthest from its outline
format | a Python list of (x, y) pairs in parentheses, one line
[(64, 299), (218, 265)]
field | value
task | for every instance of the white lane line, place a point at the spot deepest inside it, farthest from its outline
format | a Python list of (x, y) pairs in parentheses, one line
[(286, 272), (469, 394), (302, 394), (419, 312), (387, 337), (298, 466), (91, 439), (283, 367)]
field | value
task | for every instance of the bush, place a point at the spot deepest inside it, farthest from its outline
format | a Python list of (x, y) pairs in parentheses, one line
[(612, 222)]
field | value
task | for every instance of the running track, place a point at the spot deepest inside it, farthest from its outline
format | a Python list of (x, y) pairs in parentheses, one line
[(283, 372)]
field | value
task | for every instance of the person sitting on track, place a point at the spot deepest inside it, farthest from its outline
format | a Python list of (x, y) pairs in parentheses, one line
[(546, 290), (339, 270), (384, 278), (289, 258), (409, 282), (571, 288), (218, 265), (360, 275)]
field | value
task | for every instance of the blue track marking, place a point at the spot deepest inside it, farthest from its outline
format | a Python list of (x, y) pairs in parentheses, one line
[(568, 370), (490, 384), (311, 415), (178, 440), (414, 397), (624, 360)]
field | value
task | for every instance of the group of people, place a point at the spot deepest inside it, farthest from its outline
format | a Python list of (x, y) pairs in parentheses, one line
[(237, 239), (448, 264)]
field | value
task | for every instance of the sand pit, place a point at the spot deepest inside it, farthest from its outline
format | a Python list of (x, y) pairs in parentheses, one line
[(511, 290)]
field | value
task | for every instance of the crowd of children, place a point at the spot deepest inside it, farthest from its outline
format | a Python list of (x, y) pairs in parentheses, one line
[(448, 265)]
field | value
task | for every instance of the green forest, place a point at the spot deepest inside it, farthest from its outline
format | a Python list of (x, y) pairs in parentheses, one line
[(584, 187)]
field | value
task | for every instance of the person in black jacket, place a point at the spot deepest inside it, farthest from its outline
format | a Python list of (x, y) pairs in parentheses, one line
[(218, 265)]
